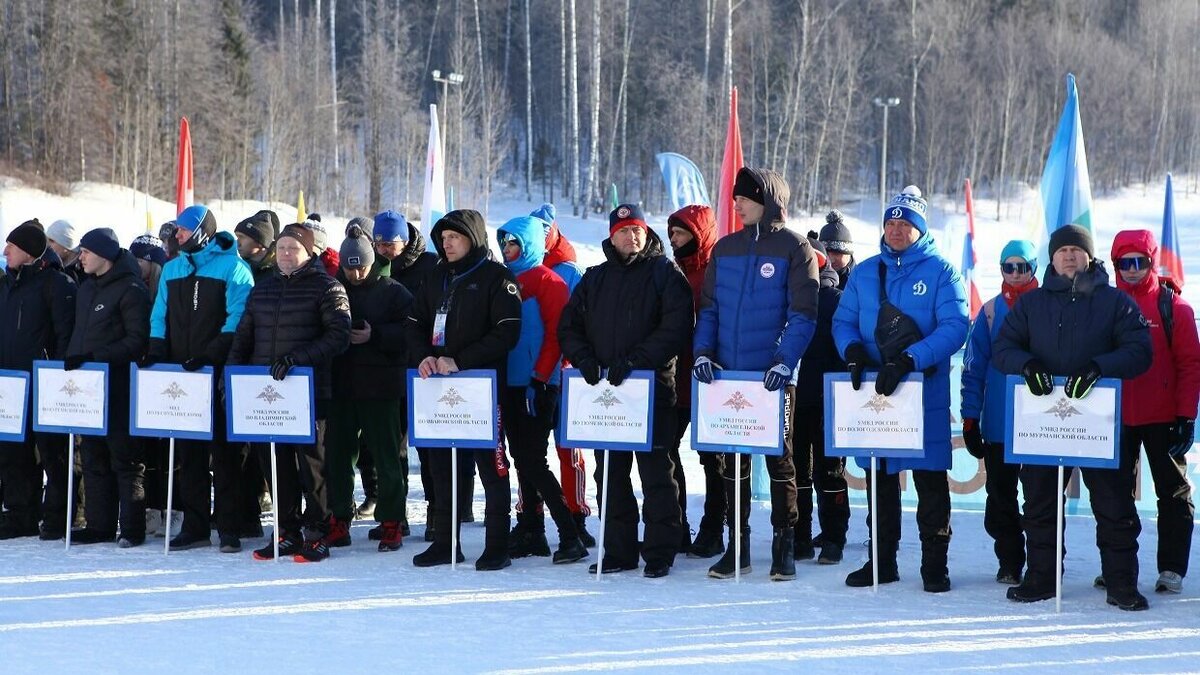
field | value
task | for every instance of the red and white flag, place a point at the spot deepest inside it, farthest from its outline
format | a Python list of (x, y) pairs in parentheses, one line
[(727, 220)]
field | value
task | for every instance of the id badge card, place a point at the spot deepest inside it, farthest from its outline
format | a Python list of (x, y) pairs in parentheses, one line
[(439, 329)]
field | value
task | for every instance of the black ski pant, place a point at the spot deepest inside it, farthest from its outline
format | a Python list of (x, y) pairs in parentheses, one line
[(933, 516), (22, 480), (1001, 515), (1175, 509), (782, 471), (301, 469), (713, 463), (528, 440), (114, 475), (497, 490), (827, 475)]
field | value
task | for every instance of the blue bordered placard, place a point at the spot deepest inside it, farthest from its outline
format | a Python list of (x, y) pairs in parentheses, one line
[(14, 405), (607, 417), (1073, 432), (83, 383), (250, 390), (743, 408), (452, 411), (175, 411), (905, 412)]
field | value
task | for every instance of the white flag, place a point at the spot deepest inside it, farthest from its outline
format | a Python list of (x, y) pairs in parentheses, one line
[(433, 203)]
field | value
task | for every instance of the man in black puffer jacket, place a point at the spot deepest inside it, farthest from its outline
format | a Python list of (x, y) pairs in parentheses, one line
[(634, 312), (299, 316), (112, 325), (480, 306), (37, 312), (1077, 326)]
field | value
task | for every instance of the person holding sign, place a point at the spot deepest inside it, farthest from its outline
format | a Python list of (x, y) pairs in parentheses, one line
[(112, 325), (1077, 326), (983, 414), (467, 315), (298, 316), (758, 311), (37, 314), (905, 310), (1158, 407), (634, 312)]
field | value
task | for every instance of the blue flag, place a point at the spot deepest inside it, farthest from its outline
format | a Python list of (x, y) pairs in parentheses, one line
[(1065, 187), (685, 184)]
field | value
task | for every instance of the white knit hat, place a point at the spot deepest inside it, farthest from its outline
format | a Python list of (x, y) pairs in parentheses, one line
[(64, 234)]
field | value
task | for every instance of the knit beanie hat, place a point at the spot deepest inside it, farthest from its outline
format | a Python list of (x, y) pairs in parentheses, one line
[(320, 237), (64, 234), (835, 235), (624, 216), (301, 234), (390, 226), (29, 237), (357, 251), (547, 214), (149, 248), (746, 185), (909, 205), (262, 227), (1021, 248), (366, 225), (818, 250), (103, 242), (1072, 235)]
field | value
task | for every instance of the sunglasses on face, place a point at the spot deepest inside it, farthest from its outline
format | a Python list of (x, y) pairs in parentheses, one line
[(1016, 268), (509, 240), (1141, 262)]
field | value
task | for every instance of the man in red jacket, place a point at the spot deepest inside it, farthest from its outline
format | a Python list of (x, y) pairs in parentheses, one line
[(1158, 407)]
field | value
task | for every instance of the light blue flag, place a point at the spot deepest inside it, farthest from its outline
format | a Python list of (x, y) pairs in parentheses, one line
[(685, 184), (1065, 187)]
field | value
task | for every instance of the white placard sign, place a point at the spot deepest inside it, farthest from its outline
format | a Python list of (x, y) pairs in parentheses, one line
[(1056, 429), (863, 422), (459, 410), (261, 406), (13, 406), (739, 412), (177, 402), (71, 398), (608, 417)]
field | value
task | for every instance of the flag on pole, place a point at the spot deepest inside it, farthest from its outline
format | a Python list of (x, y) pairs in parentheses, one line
[(433, 203), (969, 257), (150, 223), (185, 185), (1066, 190), (301, 214), (685, 184), (1170, 256), (727, 220), (612, 197)]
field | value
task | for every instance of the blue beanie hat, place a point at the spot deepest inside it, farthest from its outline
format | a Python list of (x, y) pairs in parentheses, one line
[(624, 216), (547, 213), (103, 242), (908, 205), (149, 248), (390, 226), (1023, 249)]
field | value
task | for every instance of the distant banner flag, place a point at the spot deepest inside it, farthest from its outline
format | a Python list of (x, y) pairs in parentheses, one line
[(613, 203), (727, 220), (685, 183), (969, 257), (1065, 187), (185, 185), (301, 213), (433, 203), (1171, 256)]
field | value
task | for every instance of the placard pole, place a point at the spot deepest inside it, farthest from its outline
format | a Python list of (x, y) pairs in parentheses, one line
[(737, 519), (275, 499), (874, 528), (453, 508), (170, 492), (70, 519), (603, 516), (1058, 541)]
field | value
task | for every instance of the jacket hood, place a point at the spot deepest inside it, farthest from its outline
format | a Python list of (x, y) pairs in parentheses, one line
[(702, 223), (531, 235), (1136, 241), (776, 194), (413, 250), (653, 249), (558, 249), (468, 223), (918, 251), (829, 277), (124, 266)]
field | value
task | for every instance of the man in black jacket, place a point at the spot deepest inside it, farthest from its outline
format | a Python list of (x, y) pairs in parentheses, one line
[(299, 316), (467, 315), (1077, 326), (37, 312), (112, 325), (634, 312), (256, 237), (368, 392)]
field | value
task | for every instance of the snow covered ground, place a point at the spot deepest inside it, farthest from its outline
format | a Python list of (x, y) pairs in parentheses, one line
[(99, 609)]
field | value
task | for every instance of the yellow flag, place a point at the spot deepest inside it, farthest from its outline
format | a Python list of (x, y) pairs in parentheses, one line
[(149, 224), (301, 214)]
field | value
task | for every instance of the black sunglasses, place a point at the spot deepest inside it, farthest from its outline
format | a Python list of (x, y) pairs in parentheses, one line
[(1016, 268), (1140, 262)]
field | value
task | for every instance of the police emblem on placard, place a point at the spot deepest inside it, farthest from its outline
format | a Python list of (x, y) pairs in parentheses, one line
[(878, 403), (269, 394), (767, 270), (1063, 409), (738, 402), (608, 399), (452, 398)]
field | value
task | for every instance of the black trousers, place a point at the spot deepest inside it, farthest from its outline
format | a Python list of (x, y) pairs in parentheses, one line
[(1175, 509), (113, 473), (660, 511), (156, 454), (1117, 522), (826, 474), (713, 463), (528, 439), (782, 472), (221, 494), (1001, 515), (301, 469), (22, 479), (52, 449), (933, 516), (497, 490)]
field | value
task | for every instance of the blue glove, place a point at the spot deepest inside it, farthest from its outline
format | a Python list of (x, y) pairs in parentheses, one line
[(778, 376), (703, 369), (1185, 434), (535, 390)]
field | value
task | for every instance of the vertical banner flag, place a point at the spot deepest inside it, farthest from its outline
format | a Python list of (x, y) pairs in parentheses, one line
[(727, 221), (685, 184), (613, 203), (185, 190), (301, 212), (1170, 256), (433, 203), (1065, 187), (969, 257)]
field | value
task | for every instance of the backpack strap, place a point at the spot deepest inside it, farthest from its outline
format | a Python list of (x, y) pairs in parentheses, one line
[(1166, 310), (882, 281), (989, 312)]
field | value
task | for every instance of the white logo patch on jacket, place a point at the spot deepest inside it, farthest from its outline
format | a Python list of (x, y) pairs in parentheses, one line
[(920, 288), (767, 270)]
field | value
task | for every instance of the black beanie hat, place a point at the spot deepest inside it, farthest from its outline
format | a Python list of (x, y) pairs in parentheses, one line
[(1072, 235), (301, 234), (262, 227), (103, 242), (746, 185), (29, 237), (835, 235)]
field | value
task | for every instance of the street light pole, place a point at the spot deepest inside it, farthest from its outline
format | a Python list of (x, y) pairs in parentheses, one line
[(884, 103), (449, 79)]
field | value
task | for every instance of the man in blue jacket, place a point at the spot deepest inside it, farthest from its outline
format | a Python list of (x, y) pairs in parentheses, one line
[(758, 311), (925, 288)]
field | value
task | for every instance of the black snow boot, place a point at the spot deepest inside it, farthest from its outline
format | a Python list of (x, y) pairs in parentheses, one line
[(783, 564), (726, 567), (708, 544)]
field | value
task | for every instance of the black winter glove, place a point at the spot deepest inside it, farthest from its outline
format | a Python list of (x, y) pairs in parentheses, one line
[(73, 362), (1037, 377), (590, 370), (892, 372), (1080, 384), (194, 364), (973, 437), (1185, 433), (857, 360), (156, 353), (618, 373), (282, 365)]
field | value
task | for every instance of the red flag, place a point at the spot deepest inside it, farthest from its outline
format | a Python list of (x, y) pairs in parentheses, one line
[(185, 190), (969, 259), (727, 220)]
